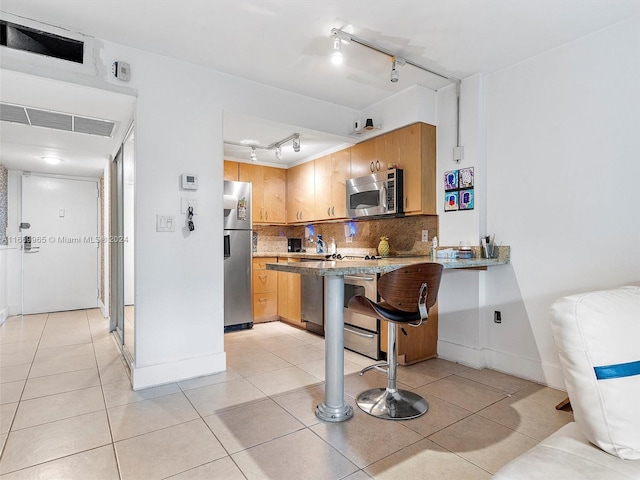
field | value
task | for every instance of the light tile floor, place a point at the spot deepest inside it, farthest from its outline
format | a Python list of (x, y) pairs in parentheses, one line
[(67, 411)]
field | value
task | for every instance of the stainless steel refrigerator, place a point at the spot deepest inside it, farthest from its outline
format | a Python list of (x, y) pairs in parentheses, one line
[(238, 235)]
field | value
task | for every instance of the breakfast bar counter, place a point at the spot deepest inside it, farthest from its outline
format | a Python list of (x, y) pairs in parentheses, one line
[(334, 408)]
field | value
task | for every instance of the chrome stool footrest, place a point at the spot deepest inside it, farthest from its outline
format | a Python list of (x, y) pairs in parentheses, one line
[(392, 405), (380, 367)]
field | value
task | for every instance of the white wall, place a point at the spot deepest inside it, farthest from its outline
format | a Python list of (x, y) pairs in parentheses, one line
[(562, 158)]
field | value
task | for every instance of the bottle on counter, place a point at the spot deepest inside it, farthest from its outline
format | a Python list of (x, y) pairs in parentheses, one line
[(320, 248), (434, 247), (332, 247)]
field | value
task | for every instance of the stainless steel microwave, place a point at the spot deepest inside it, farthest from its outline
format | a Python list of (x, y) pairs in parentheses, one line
[(381, 193)]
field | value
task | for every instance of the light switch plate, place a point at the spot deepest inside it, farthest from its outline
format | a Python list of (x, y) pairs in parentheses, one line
[(425, 235)]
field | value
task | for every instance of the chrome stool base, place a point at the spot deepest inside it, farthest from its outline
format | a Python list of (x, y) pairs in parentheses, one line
[(392, 404)]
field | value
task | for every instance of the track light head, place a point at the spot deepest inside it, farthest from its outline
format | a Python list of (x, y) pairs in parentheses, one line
[(336, 55), (296, 144), (279, 152), (254, 155), (394, 71)]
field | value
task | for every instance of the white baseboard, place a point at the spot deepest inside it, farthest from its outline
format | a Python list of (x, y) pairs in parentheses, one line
[(510, 364), (14, 310), (463, 354), (154, 375), (4, 314)]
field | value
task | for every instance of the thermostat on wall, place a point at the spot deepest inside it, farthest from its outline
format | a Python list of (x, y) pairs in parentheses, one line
[(189, 181)]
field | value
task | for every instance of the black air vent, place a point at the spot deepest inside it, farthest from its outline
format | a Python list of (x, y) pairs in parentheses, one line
[(44, 118), (92, 127), (28, 39), (13, 113)]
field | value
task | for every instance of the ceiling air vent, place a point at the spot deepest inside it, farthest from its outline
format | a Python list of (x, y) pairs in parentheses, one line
[(92, 126), (13, 113), (44, 118), (28, 39), (57, 120)]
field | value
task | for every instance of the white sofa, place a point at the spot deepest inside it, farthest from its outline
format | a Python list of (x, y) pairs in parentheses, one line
[(598, 340)]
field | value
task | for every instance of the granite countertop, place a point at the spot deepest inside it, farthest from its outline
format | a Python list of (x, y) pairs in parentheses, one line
[(352, 267)]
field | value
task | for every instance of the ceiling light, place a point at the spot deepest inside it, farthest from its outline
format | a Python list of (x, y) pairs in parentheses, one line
[(394, 71), (279, 153), (52, 160), (296, 144), (336, 55), (254, 155)]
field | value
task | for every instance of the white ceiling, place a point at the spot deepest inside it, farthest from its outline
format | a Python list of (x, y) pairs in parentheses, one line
[(285, 43)]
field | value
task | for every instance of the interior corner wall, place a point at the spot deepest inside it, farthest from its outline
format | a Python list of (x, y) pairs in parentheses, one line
[(562, 145), (461, 295)]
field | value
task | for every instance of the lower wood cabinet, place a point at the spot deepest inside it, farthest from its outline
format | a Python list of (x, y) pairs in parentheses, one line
[(265, 290), (420, 343), (289, 295)]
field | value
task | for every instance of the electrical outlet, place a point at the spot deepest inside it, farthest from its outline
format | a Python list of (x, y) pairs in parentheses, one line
[(425, 235), (497, 317)]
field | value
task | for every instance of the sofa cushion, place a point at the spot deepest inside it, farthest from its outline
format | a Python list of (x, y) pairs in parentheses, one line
[(567, 455), (598, 340)]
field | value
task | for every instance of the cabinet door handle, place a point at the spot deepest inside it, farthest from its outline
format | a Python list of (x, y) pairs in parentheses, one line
[(333, 211), (371, 167), (266, 215), (377, 165), (262, 276)]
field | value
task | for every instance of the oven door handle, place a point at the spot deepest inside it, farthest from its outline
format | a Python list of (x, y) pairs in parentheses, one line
[(358, 279), (366, 335)]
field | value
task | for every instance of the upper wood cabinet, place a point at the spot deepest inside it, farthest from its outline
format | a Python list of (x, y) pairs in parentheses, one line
[(231, 170), (300, 193), (331, 174), (417, 158), (268, 191), (367, 157)]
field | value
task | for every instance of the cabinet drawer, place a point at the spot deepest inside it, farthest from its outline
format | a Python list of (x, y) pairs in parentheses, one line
[(261, 263), (265, 306), (265, 281)]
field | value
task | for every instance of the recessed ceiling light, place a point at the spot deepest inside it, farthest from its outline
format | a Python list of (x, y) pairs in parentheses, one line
[(52, 160)]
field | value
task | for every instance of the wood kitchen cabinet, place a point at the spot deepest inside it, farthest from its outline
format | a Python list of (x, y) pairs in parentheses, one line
[(265, 290), (300, 193), (231, 170), (268, 192), (331, 174), (417, 158), (420, 343), (289, 303), (367, 157)]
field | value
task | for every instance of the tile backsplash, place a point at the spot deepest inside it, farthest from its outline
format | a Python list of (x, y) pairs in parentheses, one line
[(405, 234)]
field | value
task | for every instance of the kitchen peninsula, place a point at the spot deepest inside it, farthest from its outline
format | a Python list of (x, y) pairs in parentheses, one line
[(334, 408)]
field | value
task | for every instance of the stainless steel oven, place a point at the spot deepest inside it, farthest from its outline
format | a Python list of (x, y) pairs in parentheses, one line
[(361, 333)]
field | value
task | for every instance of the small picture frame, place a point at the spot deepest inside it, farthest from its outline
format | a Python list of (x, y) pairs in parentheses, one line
[(465, 201), (451, 201), (451, 180), (466, 178)]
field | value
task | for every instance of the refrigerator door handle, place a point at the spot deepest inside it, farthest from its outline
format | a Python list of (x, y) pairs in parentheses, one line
[(227, 246)]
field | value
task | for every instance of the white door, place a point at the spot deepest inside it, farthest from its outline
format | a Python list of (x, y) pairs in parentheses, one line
[(60, 272)]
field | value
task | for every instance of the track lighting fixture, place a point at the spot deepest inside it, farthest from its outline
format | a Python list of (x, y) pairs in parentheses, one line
[(277, 146), (394, 71), (336, 54), (340, 36)]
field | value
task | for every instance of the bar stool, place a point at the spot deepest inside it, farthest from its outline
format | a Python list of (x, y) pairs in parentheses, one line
[(407, 295)]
